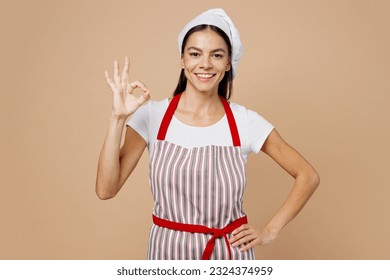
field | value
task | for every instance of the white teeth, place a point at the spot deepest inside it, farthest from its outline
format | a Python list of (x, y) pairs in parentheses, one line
[(204, 76)]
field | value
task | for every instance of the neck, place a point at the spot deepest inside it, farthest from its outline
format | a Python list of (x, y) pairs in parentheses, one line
[(200, 103)]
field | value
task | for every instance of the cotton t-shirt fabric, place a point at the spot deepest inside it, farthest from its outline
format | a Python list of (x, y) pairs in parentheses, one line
[(253, 129)]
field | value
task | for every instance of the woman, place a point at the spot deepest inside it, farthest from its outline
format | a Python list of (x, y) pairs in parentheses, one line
[(198, 143)]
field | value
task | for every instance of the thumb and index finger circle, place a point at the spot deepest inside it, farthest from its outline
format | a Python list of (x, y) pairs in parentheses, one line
[(138, 84)]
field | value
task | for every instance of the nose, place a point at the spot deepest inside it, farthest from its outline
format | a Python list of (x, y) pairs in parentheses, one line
[(206, 62)]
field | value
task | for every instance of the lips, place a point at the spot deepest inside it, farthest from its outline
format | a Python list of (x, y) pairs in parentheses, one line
[(204, 76)]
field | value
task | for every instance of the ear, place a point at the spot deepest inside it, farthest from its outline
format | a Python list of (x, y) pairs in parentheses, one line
[(182, 62), (229, 66)]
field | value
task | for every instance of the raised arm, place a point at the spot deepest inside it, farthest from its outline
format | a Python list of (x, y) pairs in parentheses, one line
[(306, 182), (115, 163)]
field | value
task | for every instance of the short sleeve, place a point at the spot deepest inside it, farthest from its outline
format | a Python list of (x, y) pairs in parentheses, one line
[(258, 129), (140, 121)]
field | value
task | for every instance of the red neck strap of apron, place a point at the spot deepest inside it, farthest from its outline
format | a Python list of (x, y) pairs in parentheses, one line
[(172, 108)]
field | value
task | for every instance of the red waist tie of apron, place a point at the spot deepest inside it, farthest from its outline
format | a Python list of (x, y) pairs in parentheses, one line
[(217, 233)]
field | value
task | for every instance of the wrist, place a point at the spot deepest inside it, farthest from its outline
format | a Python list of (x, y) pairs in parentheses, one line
[(118, 118), (117, 121), (273, 230)]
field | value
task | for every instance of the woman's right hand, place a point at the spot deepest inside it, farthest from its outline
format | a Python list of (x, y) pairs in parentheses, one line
[(124, 102)]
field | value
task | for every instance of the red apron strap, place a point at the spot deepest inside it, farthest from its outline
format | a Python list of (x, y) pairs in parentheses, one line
[(217, 233), (168, 117), (172, 108), (232, 123)]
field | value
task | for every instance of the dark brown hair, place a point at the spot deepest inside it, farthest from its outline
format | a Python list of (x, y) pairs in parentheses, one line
[(226, 85)]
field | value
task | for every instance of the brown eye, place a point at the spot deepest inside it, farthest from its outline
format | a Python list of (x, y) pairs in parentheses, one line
[(194, 54)]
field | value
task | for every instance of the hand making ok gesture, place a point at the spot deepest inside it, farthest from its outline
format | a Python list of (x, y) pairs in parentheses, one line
[(125, 102)]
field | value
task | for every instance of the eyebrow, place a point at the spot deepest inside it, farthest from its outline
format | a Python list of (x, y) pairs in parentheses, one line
[(213, 51)]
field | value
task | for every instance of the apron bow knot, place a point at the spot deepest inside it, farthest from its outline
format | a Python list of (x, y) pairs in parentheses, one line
[(218, 233)]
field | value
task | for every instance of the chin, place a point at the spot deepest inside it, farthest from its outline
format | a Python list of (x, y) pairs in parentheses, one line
[(206, 90)]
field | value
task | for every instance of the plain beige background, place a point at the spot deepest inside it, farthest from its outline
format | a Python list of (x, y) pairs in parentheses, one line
[(318, 70)]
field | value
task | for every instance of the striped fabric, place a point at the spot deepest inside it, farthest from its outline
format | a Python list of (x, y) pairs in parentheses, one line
[(202, 186)]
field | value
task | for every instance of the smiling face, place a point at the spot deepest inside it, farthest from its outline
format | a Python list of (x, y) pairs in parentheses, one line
[(205, 59)]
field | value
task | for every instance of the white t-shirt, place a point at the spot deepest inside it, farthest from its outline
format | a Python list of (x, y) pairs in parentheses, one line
[(252, 128)]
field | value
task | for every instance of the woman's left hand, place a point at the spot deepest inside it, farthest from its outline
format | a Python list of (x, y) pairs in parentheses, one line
[(250, 236)]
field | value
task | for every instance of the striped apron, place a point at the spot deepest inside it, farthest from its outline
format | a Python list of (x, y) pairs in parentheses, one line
[(198, 197)]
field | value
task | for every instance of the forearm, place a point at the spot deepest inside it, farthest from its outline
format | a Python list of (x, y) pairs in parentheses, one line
[(304, 186), (108, 173)]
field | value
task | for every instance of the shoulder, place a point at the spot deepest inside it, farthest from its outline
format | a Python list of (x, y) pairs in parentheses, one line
[(152, 107), (238, 107), (253, 127), (149, 111), (147, 118), (243, 112), (159, 103), (156, 104)]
